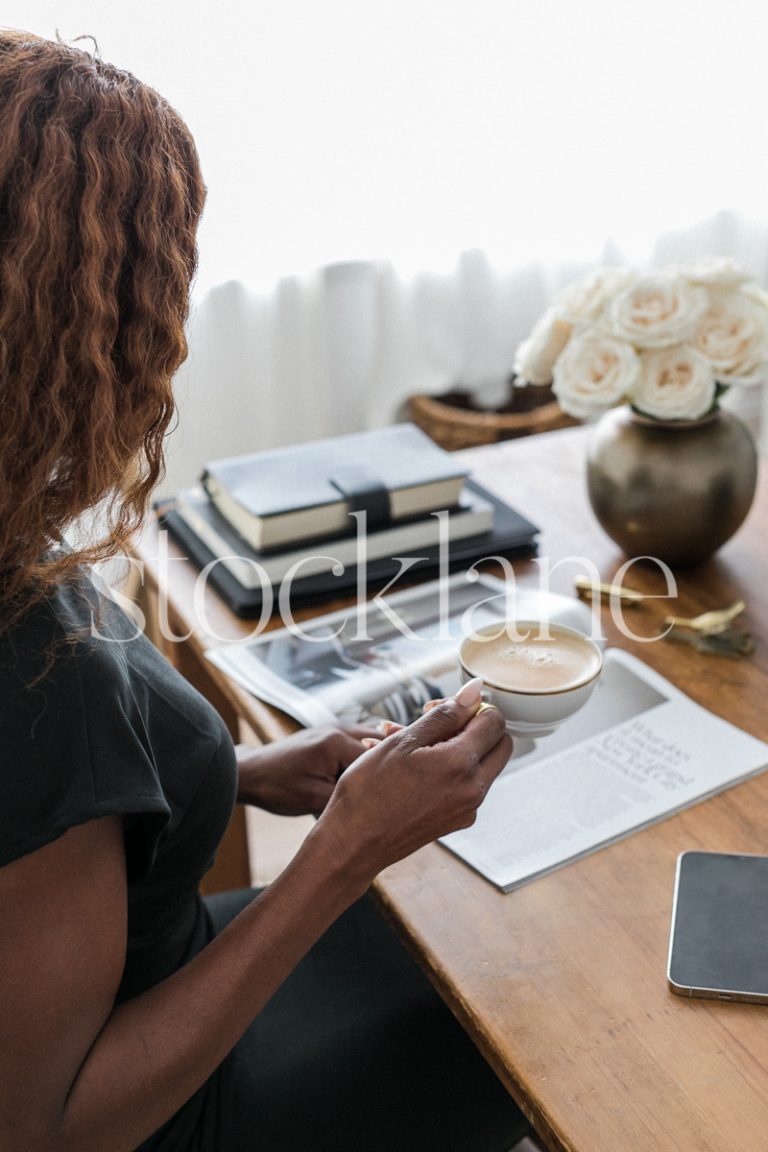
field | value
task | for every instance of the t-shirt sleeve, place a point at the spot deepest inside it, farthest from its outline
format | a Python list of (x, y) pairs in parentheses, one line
[(71, 746)]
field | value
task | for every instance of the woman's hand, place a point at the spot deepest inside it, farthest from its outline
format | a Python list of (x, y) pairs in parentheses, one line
[(296, 776), (418, 784)]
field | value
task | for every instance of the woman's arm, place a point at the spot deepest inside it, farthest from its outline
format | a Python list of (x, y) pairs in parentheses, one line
[(78, 1074)]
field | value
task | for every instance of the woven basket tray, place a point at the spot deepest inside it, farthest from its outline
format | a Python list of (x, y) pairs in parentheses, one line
[(454, 427)]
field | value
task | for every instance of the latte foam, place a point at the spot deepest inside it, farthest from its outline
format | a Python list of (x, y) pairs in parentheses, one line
[(538, 659)]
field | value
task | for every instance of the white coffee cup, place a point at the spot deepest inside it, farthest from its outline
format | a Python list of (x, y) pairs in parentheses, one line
[(536, 672)]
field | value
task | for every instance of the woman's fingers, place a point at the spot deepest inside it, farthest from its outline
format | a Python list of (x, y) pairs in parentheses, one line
[(373, 731), (389, 726), (422, 782), (370, 735), (482, 735), (448, 718), (495, 761), (376, 731), (474, 739)]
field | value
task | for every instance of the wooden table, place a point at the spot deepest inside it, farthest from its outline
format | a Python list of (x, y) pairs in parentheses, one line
[(562, 983)]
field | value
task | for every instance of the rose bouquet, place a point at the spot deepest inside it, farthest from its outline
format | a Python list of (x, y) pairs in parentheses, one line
[(669, 343)]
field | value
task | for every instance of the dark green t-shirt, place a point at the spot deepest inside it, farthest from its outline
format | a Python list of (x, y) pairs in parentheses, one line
[(111, 728)]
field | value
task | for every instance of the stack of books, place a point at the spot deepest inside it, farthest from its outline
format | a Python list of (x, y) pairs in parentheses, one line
[(322, 516)]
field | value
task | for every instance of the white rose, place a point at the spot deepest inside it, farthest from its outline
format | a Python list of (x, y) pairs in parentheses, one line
[(755, 292), (594, 372), (656, 311), (536, 356), (674, 384), (715, 272), (733, 336), (587, 299)]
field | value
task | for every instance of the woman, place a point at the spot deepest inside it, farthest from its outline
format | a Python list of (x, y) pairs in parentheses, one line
[(133, 1013)]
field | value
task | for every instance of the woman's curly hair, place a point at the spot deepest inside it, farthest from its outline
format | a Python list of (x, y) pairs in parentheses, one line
[(100, 197)]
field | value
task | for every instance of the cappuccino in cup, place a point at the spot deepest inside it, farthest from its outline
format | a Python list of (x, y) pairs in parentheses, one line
[(537, 673)]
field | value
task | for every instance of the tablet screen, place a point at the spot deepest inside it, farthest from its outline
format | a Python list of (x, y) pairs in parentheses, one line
[(719, 939)]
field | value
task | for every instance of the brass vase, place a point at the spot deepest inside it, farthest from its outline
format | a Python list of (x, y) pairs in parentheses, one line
[(676, 489)]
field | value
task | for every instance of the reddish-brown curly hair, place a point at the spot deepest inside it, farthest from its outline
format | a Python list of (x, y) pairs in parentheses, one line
[(100, 196)]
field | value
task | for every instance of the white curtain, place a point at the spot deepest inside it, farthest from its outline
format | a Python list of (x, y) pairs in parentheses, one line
[(397, 187)]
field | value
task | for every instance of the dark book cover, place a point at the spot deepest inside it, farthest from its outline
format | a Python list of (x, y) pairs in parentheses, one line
[(301, 476)]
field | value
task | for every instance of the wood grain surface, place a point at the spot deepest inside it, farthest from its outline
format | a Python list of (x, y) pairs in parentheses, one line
[(562, 983)]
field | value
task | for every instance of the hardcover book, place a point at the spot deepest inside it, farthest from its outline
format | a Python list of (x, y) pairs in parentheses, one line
[(307, 491)]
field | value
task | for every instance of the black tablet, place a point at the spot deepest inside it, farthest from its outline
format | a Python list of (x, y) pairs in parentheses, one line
[(719, 939)]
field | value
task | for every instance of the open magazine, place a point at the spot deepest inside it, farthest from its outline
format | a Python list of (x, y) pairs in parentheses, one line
[(637, 752)]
